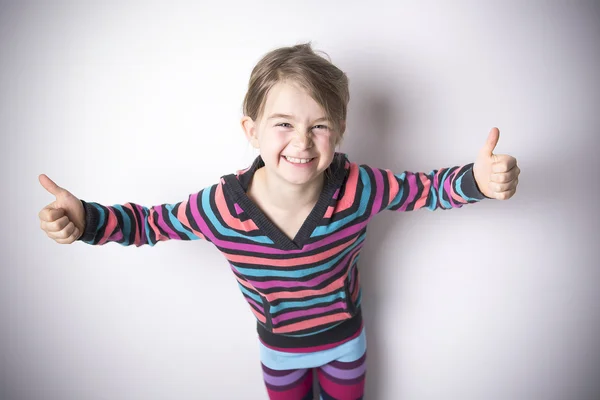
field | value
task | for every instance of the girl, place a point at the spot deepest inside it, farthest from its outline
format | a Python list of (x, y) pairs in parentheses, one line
[(293, 223)]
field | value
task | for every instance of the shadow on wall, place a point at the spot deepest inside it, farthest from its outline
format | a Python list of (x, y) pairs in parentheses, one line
[(370, 126)]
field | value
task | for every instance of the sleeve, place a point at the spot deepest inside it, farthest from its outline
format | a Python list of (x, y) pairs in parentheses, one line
[(443, 189), (133, 224)]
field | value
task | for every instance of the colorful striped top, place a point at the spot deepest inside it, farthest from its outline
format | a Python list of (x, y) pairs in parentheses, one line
[(305, 292)]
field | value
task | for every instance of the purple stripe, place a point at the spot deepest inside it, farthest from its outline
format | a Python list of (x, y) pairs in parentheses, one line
[(345, 374), (117, 236), (411, 179), (292, 377), (378, 191), (333, 379), (238, 209), (251, 301), (310, 283), (340, 305), (161, 224), (328, 239)]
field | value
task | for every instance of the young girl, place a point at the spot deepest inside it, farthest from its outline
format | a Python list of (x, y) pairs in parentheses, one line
[(293, 223)]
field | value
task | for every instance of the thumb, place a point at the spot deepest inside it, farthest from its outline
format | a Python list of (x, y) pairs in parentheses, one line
[(50, 186), (491, 142)]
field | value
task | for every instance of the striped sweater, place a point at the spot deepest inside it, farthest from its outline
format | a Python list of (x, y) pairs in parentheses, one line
[(306, 291)]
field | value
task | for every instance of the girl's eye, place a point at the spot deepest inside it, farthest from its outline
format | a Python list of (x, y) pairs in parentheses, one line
[(287, 125)]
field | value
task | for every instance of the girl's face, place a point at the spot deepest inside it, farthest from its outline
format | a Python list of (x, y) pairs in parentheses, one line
[(294, 138)]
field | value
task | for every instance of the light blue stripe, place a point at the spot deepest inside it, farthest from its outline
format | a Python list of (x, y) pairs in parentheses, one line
[(444, 203), (346, 352), (145, 213), (127, 222), (102, 216), (434, 196), (311, 302), (459, 188), (263, 272), (226, 231), (253, 296)]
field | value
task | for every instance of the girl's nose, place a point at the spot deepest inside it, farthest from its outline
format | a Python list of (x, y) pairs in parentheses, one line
[(303, 140)]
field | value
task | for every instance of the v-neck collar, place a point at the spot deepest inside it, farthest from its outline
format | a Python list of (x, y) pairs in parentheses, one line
[(239, 183)]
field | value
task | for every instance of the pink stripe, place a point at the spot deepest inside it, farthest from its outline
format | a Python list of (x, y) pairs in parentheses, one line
[(350, 190), (290, 262), (311, 323), (230, 220), (111, 224), (394, 187), (182, 216), (425, 193)]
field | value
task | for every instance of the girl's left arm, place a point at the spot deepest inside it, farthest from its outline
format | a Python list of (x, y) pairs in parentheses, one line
[(491, 176), (445, 188)]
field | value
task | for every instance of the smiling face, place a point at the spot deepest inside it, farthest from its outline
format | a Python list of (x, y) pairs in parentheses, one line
[(294, 137)]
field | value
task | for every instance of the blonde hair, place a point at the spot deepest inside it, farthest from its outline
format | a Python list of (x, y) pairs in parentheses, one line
[(322, 80)]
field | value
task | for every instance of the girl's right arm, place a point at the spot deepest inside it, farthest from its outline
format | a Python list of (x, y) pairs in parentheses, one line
[(69, 219)]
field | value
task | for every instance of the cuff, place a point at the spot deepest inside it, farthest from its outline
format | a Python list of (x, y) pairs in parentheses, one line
[(91, 222), (469, 184)]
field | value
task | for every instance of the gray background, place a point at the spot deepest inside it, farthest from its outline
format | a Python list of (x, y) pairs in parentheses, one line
[(141, 102)]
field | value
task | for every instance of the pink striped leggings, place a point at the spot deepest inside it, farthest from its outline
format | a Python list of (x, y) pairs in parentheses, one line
[(337, 381)]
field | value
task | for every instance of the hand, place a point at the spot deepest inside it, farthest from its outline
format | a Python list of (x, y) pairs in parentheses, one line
[(496, 175), (64, 219)]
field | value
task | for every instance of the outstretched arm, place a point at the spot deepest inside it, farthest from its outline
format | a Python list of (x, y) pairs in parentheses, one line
[(134, 224), (491, 176)]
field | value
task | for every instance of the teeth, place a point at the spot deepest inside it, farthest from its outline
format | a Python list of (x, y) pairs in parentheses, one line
[(298, 160)]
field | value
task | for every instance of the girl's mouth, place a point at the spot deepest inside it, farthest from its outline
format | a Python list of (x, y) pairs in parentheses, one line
[(298, 161)]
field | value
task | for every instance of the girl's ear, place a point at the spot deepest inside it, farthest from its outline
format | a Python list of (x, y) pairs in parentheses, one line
[(249, 127)]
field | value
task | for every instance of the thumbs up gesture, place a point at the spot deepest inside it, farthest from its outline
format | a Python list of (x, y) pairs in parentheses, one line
[(497, 175), (64, 219)]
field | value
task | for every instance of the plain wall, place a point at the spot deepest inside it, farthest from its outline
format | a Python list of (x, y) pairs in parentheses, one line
[(141, 102)]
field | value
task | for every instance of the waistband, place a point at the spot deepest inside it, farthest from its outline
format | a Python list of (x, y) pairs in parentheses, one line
[(339, 333)]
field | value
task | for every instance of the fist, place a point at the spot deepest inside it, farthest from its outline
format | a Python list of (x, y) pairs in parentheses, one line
[(497, 175), (63, 220)]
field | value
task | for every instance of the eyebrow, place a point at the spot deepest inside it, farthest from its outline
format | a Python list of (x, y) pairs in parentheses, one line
[(279, 115)]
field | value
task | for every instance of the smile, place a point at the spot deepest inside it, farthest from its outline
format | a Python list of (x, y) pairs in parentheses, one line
[(298, 160)]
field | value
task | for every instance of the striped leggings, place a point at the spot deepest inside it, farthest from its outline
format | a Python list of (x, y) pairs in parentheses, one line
[(338, 380)]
